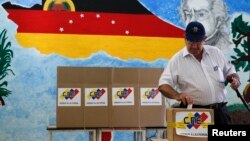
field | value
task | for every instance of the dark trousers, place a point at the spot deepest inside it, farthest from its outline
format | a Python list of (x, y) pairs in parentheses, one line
[(221, 115)]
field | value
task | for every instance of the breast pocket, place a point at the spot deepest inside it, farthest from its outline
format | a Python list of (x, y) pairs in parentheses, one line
[(216, 73), (220, 75)]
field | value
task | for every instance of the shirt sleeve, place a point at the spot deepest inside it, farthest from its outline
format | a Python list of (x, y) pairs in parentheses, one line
[(228, 67), (168, 75)]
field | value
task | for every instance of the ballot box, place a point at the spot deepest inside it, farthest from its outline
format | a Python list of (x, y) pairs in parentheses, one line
[(188, 124)]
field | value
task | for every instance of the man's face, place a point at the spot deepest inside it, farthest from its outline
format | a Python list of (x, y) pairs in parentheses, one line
[(194, 48), (200, 10)]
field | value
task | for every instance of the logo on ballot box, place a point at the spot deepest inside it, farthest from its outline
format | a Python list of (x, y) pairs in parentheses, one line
[(192, 124), (69, 96), (96, 96), (150, 96), (123, 96)]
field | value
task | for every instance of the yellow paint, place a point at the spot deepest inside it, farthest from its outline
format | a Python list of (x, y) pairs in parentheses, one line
[(82, 46), (48, 2)]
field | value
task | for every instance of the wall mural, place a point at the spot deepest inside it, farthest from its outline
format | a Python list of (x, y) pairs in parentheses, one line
[(6, 54), (37, 36)]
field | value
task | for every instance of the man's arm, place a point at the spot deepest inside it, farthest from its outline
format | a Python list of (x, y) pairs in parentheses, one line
[(169, 92)]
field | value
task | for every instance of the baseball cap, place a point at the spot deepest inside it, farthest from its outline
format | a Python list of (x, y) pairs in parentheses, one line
[(195, 31)]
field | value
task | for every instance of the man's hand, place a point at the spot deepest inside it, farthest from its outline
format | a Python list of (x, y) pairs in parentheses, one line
[(234, 80), (235, 83), (169, 92), (185, 99)]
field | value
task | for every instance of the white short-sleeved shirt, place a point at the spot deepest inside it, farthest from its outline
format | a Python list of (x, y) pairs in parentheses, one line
[(204, 80)]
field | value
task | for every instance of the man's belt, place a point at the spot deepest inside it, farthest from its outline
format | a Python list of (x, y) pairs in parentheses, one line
[(211, 106)]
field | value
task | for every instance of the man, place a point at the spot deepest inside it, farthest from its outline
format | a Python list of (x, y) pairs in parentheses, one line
[(213, 15), (196, 75)]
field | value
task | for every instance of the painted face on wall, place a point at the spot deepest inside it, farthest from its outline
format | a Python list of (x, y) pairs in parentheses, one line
[(200, 10)]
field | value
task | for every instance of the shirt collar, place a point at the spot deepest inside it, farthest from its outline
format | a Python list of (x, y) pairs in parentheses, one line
[(186, 53)]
